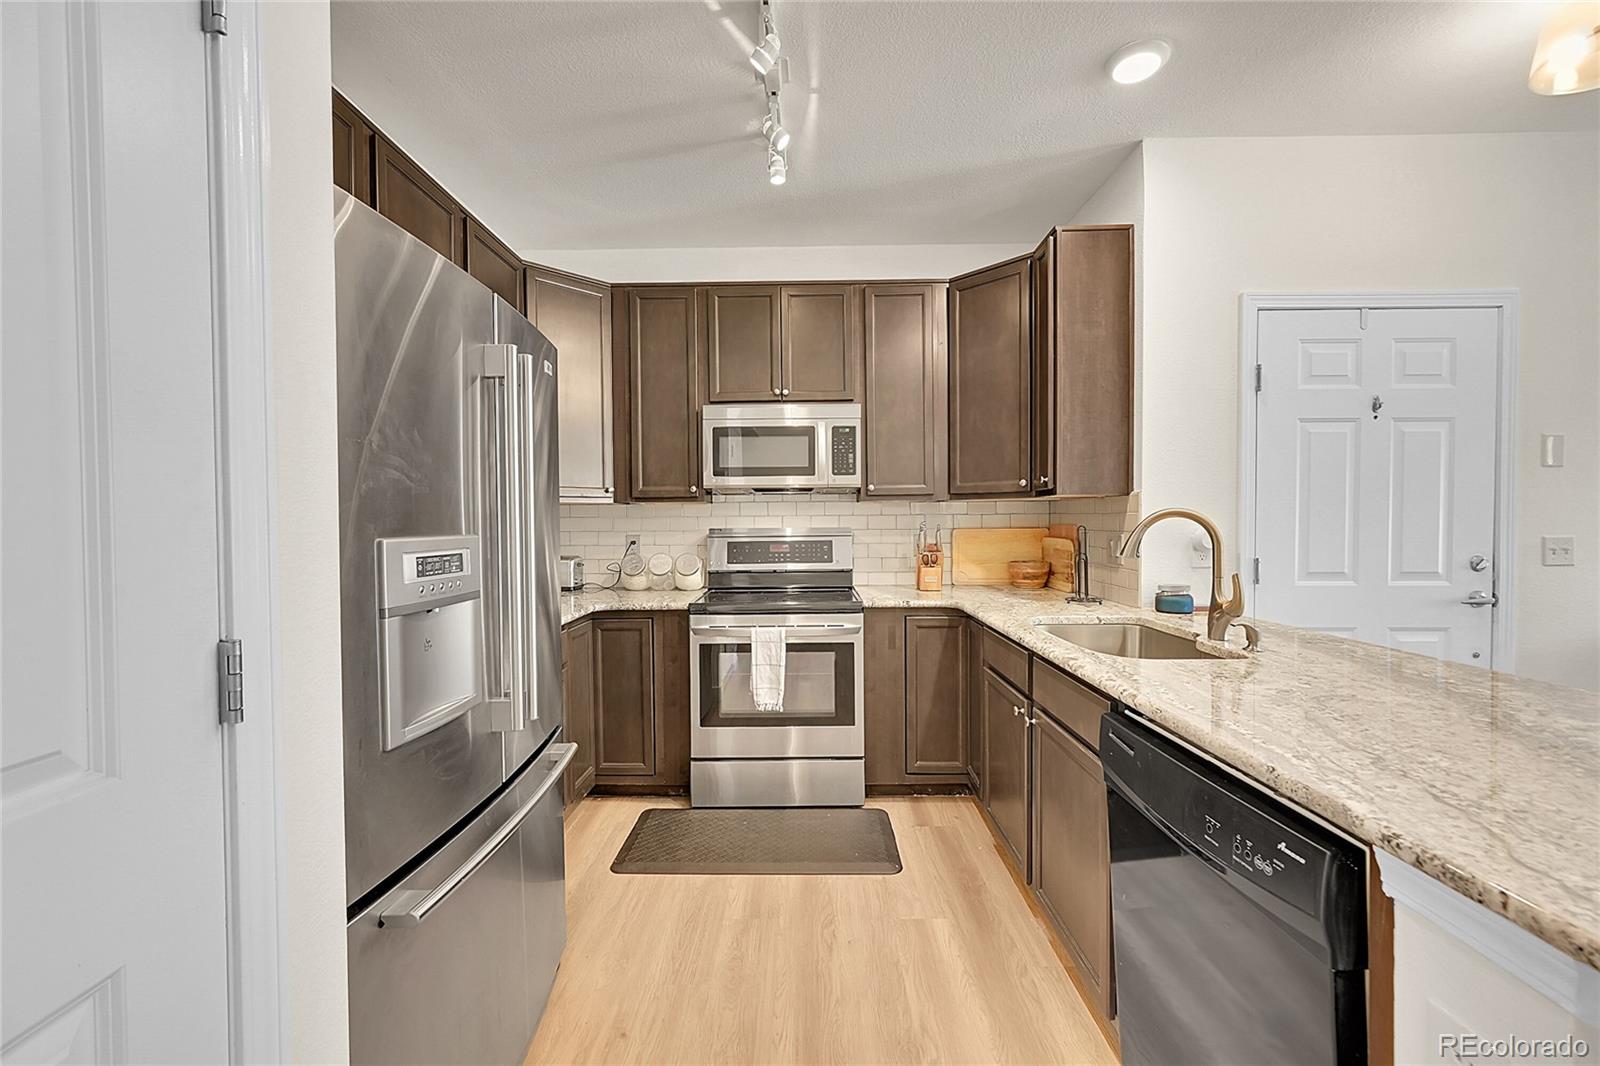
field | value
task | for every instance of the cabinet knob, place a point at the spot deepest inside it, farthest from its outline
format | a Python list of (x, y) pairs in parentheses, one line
[(1044, 479), (694, 489), (777, 392), (872, 488), (609, 488), (1023, 482), (785, 392)]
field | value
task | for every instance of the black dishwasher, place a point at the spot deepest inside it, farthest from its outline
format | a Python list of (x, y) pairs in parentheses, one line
[(1239, 925)]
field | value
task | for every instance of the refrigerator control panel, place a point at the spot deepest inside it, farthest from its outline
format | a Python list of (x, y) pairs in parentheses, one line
[(418, 573)]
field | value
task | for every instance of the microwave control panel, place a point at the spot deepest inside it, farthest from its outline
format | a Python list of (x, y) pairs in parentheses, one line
[(842, 441)]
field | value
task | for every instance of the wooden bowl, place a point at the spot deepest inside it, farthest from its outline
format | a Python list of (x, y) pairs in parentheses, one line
[(1028, 573)]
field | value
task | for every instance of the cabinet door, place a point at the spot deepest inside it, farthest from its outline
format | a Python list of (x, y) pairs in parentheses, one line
[(936, 677), (1042, 306), (821, 330), (991, 382), (1071, 863), (624, 673), (352, 151), (1005, 765), (1093, 351), (905, 390), (743, 360), (663, 387), (406, 196), (972, 700), (577, 694), (575, 314), (494, 264)]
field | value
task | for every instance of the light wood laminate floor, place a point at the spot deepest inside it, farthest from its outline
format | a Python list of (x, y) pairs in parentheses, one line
[(941, 963)]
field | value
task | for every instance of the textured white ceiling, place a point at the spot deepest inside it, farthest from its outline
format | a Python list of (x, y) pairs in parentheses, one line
[(636, 125)]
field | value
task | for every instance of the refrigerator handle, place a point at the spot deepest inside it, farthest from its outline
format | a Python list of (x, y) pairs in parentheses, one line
[(501, 495), (528, 543), (411, 908)]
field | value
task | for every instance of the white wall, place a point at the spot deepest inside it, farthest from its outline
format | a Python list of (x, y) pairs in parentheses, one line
[(822, 263), (1226, 216), (295, 64)]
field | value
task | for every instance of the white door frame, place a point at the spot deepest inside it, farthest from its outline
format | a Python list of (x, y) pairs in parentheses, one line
[(1505, 301), (253, 819)]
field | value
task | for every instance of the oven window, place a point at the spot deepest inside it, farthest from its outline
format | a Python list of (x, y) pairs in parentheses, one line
[(819, 686), (764, 451)]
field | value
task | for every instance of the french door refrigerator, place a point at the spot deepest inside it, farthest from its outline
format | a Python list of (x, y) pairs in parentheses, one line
[(450, 629)]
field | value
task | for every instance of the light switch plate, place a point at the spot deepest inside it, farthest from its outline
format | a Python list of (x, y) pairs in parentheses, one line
[(1558, 551)]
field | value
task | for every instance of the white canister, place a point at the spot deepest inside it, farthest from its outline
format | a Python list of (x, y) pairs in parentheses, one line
[(660, 566), (634, 577), (689, 573)]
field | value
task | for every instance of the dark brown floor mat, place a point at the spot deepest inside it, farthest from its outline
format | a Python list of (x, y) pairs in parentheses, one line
[(739, 840)]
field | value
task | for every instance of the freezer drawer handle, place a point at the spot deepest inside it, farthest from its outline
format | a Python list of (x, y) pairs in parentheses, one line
[(412, 908)]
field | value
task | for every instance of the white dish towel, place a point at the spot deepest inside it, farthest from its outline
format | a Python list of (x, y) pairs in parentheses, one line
[(766, 667)]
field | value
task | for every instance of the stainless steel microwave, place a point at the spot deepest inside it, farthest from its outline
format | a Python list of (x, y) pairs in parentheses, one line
[(782, 447)]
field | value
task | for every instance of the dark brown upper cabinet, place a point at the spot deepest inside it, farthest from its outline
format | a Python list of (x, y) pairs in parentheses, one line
[(905, 411), (1042, 277), (821, 338), (743, 344), (352, 151), (1092, 318), (406, 196), (991, 381), (661, 403), (936, 681), (575, 315), (494, 264)]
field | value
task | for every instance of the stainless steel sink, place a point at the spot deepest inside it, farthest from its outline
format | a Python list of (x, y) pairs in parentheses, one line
[(1127, 639)]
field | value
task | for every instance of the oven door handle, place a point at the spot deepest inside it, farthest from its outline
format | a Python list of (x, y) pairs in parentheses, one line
[(799, 632)]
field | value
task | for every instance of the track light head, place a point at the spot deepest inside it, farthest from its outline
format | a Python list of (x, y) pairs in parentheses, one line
[(777, 137), (765, 55), (777, 167)]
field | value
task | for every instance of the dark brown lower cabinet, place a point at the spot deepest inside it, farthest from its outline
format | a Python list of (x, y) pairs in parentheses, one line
[(973, 707), (624, 671), (577, 689), (936, 681), (1071, 864), (892, 712), (1005, 764)]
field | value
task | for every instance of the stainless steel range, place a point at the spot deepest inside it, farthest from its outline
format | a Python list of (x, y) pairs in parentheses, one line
[(775, 672)]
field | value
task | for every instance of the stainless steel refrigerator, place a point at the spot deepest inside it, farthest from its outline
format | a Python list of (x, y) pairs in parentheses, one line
[(448, 484)]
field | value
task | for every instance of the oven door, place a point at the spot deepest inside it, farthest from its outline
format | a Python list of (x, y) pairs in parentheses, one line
[(822, 689), (764, 453)]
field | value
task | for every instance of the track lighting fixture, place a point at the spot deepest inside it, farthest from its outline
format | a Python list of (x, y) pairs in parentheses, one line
[(765, 55), (777, 137), (777, 167)]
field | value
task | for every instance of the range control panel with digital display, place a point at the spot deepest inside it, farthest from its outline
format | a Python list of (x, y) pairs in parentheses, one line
[(768, 552), (843, 444)]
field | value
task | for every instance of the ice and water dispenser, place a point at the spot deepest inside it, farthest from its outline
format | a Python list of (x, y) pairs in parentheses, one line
[(430, 633)]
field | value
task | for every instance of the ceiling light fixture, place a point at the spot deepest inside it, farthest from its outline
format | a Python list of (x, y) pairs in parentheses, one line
[(777, 167), (1135, 62), (1567, 58), (765, 55), (772, 128)]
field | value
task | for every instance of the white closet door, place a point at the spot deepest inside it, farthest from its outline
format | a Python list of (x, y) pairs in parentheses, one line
[(1375, 475), (113, 946)]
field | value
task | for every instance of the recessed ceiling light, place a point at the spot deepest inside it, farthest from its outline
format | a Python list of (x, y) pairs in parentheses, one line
[(1135, 62), (1567, 58), (777, 168)]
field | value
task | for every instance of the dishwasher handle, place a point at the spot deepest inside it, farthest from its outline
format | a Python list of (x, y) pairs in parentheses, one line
[(411, 908)]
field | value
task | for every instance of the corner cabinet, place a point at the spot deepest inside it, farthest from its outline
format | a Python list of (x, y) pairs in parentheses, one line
[(991, 381), (660, 404), (906, 402), (575, 314)]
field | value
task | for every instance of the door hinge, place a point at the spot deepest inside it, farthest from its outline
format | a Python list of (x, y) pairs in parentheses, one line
[(1258, 377), (230, 682), (1256, 565), (214, 17)]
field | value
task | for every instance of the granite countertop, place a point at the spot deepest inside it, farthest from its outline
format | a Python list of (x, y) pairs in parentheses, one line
[(1488, 782)]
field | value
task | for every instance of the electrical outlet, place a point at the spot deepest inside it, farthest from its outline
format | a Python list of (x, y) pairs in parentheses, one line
[(631, 544), (1113, 543), (1558, 551), (1200, 552)]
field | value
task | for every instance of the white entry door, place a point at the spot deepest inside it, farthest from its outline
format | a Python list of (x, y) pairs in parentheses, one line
[(113, 928), (1375, 475)]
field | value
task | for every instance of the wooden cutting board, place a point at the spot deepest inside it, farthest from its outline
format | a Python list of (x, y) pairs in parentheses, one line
[(979, 556), (1060, 552)]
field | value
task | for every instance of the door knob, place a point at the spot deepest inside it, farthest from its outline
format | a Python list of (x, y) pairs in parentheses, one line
[(1480, 598), (1477, 564)]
